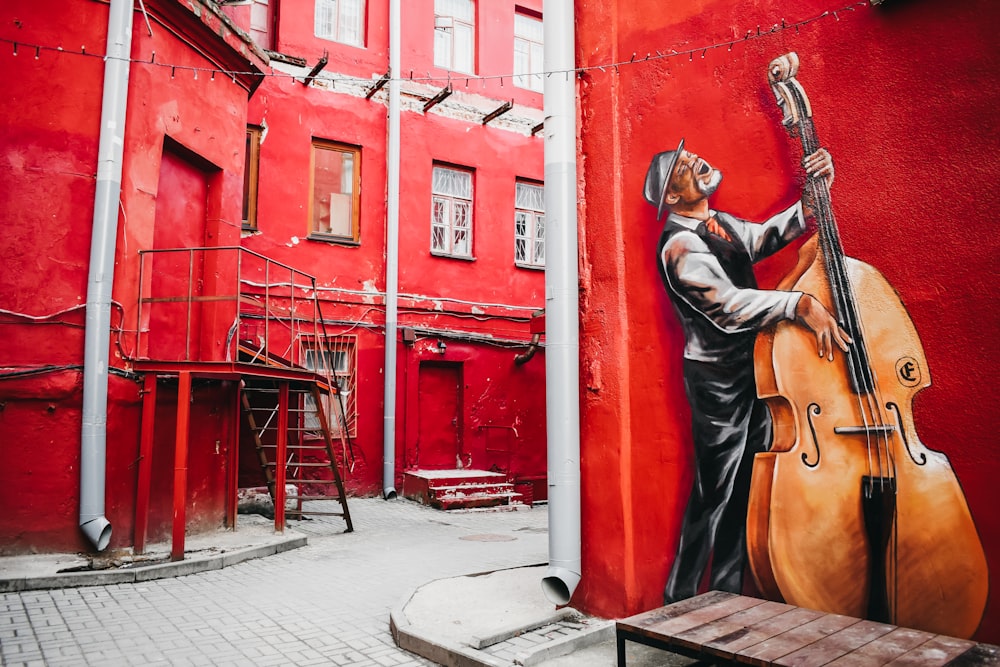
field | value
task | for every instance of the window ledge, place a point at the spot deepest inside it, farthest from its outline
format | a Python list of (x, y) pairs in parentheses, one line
[(532, 267), (333, 240), (445, 255)]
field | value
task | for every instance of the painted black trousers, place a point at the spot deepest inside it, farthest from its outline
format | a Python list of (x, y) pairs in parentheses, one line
[(730, 425)]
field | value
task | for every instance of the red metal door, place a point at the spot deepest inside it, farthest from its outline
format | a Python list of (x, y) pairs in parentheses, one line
[(177, 277), (439, 419)]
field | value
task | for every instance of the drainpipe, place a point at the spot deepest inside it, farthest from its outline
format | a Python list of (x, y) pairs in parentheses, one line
[(562, 348), (391, 259), (97, 340)]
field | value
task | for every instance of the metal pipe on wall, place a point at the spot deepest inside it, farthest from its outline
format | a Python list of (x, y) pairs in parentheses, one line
[(562, 348), (97, 339), (391, 258)]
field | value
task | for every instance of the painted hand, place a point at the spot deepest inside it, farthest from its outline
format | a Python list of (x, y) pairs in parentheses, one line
[(811, 314), (819, 164)]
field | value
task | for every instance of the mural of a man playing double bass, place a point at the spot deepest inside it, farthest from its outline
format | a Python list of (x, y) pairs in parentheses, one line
[(706, 262)]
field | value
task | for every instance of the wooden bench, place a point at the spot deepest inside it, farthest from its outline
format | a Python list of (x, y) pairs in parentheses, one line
[(727, 629)]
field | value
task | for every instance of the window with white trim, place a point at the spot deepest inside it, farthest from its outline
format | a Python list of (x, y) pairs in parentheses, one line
[(529, 225), (455, 35), (528, 52), (334, 359), (341, 21), (451, 212)]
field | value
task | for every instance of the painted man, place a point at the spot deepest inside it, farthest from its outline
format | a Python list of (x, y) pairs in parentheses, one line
[(706, 262)]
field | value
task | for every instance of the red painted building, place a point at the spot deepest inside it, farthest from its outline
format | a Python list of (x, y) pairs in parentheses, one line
[(901, 96), (270, 173)]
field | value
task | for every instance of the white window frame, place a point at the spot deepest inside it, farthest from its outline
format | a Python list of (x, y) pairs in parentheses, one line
[(340, 21), (528, 52), (529, 225), (455, 35), (452, 204), (336, 356)]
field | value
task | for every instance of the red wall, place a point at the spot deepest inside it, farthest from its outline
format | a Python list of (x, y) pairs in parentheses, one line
[(902, 98), (48, 161)]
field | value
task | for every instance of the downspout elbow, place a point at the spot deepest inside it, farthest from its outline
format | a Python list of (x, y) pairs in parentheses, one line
[(526, 356), (97, 530), (559, 583)]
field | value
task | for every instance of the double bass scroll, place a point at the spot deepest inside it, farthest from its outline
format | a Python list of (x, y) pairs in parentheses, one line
[(849, 512)]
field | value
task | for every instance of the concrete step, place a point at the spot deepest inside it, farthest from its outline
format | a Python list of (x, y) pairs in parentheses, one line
[(459, 489)]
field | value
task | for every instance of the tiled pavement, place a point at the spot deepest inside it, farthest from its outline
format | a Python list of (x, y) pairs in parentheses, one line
[(327, 603)]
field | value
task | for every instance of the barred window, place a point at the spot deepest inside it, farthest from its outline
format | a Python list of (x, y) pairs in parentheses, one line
[(529, 225), (336, 359), (451, 212)]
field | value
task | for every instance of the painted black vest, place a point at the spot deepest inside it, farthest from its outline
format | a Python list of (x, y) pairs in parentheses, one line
[(735, 260)]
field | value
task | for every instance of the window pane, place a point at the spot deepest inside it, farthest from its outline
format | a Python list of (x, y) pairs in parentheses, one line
[(463, 47), (326, 18), (350, 21)]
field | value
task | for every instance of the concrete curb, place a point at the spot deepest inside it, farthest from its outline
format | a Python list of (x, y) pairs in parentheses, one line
[(190, 565), (566, 645), (453, 653), (436, 649)]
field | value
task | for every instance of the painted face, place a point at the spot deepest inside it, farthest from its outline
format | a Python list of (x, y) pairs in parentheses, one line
[(693, 177)]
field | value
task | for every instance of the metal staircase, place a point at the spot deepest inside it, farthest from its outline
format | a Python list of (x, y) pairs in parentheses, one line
[(291, 451), (225, 314)]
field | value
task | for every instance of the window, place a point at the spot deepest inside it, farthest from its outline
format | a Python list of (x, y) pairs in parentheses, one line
[(451, 212), (340, 20), (336, 185), (335, 358), (260, 23), (528, 52), (529, 225), (251, 168), (455, 35)]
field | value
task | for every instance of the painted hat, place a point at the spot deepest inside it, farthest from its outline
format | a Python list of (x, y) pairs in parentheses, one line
[(658, 177)]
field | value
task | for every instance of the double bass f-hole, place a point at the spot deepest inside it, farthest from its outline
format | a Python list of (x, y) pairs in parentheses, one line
[(812, 411)]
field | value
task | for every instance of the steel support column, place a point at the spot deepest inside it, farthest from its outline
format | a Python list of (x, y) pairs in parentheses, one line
[(281, 456), (145, 463), (180, 464)]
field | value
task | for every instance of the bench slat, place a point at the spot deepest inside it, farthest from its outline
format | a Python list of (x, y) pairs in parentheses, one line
[(886, 649), (836, 645), (763, 654), (937, 651), (728, 628), (728, 646)]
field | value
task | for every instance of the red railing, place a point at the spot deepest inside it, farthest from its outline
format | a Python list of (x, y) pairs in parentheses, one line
[(225, 304)]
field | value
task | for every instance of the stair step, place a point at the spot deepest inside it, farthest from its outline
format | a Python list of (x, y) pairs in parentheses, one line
[(459, 489)]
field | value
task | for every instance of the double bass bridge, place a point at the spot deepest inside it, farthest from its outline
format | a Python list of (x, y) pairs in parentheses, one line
[(879, 429)]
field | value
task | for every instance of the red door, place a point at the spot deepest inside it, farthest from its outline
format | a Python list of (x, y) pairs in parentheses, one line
[(177, 277), (439, 416)]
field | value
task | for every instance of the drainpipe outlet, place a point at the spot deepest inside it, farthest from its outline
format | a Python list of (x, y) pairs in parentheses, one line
[(98, 531), (559, 584)]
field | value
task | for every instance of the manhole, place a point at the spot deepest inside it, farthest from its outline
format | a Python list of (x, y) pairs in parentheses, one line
[(488, 538)]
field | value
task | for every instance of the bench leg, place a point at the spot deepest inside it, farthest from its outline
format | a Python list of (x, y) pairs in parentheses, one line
[(621, 651)]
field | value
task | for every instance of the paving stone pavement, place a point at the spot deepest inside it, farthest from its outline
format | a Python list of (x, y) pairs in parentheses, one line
[(327, 603)]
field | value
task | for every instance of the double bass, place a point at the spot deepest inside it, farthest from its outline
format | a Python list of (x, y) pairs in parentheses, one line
[(849, 512)]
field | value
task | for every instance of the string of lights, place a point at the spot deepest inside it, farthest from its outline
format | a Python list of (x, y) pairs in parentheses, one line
[(35, 50)]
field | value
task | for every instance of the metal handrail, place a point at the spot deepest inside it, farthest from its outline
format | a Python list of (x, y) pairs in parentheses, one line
[(274, 306)]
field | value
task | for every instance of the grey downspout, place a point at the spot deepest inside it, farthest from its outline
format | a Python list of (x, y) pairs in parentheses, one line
[(97, 340), (391, 259), (562, 348)]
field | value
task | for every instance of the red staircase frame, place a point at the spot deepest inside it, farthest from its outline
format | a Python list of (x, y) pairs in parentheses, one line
[(260, 307)]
